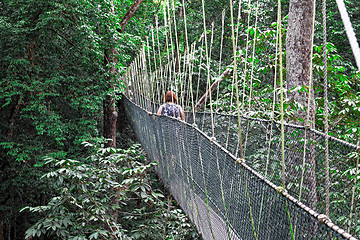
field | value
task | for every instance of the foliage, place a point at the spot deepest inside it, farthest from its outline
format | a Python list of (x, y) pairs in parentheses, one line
[(108, 195), (53, 83)]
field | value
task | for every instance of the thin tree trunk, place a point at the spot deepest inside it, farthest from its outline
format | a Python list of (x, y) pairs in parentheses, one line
[(109, 104), (110, 61)]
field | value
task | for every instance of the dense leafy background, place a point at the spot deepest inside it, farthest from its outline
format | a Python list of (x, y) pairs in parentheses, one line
[(53, 82)]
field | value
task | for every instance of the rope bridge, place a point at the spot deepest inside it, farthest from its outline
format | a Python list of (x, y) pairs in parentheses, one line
[(226, 198), (238, 177)]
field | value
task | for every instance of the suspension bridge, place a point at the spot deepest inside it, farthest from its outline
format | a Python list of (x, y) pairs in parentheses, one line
[(236, 176)]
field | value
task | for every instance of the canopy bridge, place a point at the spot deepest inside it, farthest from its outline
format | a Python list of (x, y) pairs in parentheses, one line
[(237, 177)]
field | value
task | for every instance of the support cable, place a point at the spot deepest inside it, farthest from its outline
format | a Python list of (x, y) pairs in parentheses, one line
[(221, 49), (159, 53), (326, 111), (200, 62), (177, 64), (238, 22), (190, 80), (208, 67), (246, 56), (278, 32), (156, 78), (236, 77), (252, 73), (281, 101), (152, 79)]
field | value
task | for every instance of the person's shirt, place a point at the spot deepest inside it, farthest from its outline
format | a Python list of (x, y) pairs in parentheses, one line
[(171, 110)]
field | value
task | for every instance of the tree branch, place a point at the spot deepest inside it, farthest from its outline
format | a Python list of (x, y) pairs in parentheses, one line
[(213, 86), (128, 15)]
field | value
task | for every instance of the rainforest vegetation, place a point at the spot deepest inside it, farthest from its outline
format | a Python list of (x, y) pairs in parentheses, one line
[(70, 165)]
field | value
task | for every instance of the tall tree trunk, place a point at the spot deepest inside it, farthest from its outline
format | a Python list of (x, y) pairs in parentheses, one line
[(298, 50), (109, 104), (110, 61), (298, 62)]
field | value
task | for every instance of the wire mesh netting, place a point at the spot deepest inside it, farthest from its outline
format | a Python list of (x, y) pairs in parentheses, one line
[(229, 199)]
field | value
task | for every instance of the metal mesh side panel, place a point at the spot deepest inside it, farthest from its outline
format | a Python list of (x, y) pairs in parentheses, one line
[(308, 175)]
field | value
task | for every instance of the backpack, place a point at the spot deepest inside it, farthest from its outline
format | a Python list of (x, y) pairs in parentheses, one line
[(171, 110)]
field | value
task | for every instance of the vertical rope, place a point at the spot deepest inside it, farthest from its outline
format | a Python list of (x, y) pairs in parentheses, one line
[(168, 24), (311, 60), (138, 80), (191, 83), (172, 74), (200, 62), (251, 74), (145, 81), (281, 98), (278, 31), (152, 80), (210, 53), (246, 56), (236, 76), (221, 49), (132, 80), (188, 50), (326, 111), (156, 78), (253, 54), (221, 39), (145, 78), (245, 76), (138, 76), (208, 69), (183, 79), (177, 74), (159, 53), (238, 21)]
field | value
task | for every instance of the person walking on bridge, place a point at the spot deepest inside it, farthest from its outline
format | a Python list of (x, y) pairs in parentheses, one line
[(170, 108)]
